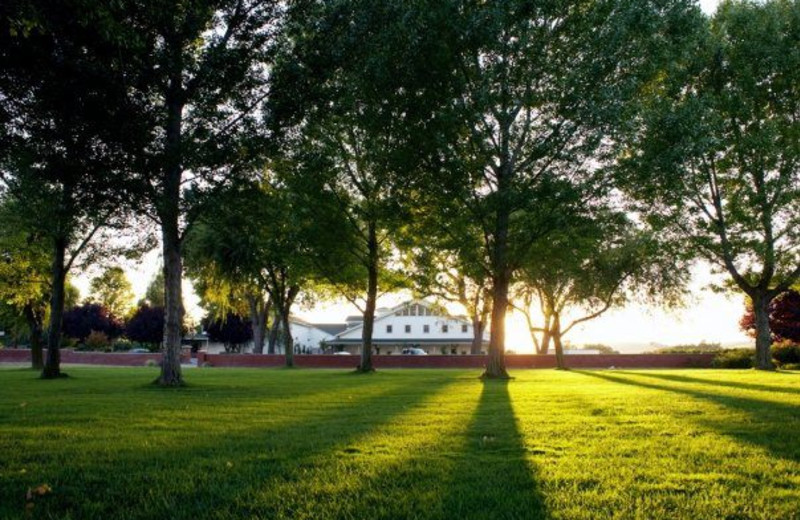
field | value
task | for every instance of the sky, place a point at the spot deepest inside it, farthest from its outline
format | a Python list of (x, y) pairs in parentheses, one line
[(706, 316)]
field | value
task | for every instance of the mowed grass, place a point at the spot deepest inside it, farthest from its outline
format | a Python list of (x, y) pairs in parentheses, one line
[(302, 444)]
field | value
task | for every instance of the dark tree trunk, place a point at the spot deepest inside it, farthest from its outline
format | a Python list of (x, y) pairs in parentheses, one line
[(372, 296), (478, 326), (501, 278), (259, 310), (559, 347), (52, 366), (287, 327), (289, 341), (169, 214), (273, 331), (763, 332), (34, 320), (544, 346)]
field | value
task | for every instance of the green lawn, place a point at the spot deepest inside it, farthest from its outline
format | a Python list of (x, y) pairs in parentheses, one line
[(240, 443)]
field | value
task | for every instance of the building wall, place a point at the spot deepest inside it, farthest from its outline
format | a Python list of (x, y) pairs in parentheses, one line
[(457, 330)]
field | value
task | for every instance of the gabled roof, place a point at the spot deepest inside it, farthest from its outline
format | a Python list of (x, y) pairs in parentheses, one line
[(393, 310), (331, 328)]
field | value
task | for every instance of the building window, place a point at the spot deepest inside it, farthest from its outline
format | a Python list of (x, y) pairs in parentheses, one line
[(408, 328), (464, 328), (426, 328), (445, 328), (453, 351), (388, 329)]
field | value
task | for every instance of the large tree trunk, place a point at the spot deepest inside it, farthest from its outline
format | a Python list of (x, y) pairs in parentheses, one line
[(478, 326), (501, 278), (34, 321), (52, 366), (259, 310), (372, 297), (273, 331), (169, 214), (171, 374), (763, 334)]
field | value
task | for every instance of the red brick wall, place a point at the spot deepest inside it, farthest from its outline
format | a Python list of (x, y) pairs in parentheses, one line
[(89, 358), (515, 361)]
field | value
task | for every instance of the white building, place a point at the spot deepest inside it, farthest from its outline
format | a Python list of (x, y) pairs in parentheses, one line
[(415, 323)]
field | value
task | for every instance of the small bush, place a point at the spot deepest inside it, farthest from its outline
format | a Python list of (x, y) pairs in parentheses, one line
[(122, 345), (791, 366), (734, 358), (97, 340), (151, 363), (786, 352)]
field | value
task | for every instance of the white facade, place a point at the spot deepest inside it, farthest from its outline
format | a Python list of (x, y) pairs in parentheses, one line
[(412, 324)]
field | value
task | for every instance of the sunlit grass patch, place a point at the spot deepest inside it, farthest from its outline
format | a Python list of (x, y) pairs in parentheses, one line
[(401, 444)]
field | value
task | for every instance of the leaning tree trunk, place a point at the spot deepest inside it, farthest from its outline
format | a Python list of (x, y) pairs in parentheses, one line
[(372, 296), (763, 332), (478, 326), (559, 347), (273, 331), (52, 366), (289, 341), (35, 328), (259, 310)]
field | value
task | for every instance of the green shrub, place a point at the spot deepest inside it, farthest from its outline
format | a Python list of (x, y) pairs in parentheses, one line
[(151, 363), (791, 366), (734, 358), (786, 352), (122, 345), (97, 340)]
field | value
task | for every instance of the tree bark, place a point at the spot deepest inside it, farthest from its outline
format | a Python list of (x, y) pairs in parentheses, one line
[(273, 331), (478, 326), (168, 207), (35, 327), (763, 333), (259, 310), (372, 297), (52, 366), (559, 347), (289, 342)]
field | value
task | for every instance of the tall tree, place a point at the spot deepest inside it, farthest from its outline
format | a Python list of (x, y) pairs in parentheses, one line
[(24, 277), (716, 155), (599, 261), (198, 72), (64, 117), (540, 90), (355, 69), (258, 241), (112, 290)]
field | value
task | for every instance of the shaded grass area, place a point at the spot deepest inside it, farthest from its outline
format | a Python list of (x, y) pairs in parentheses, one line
[(239, 443)]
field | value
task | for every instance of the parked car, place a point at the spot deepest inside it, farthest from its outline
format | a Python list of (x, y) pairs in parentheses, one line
[(413, 351), (341, 353), (139, 351)]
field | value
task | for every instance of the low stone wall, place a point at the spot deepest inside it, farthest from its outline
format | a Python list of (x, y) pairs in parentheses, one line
[(70, 356), (512, 361)]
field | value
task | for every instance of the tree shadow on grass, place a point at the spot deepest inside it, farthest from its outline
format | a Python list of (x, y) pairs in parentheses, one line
[(491, 477), (218, 473), (767, 424), (713, 382)]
